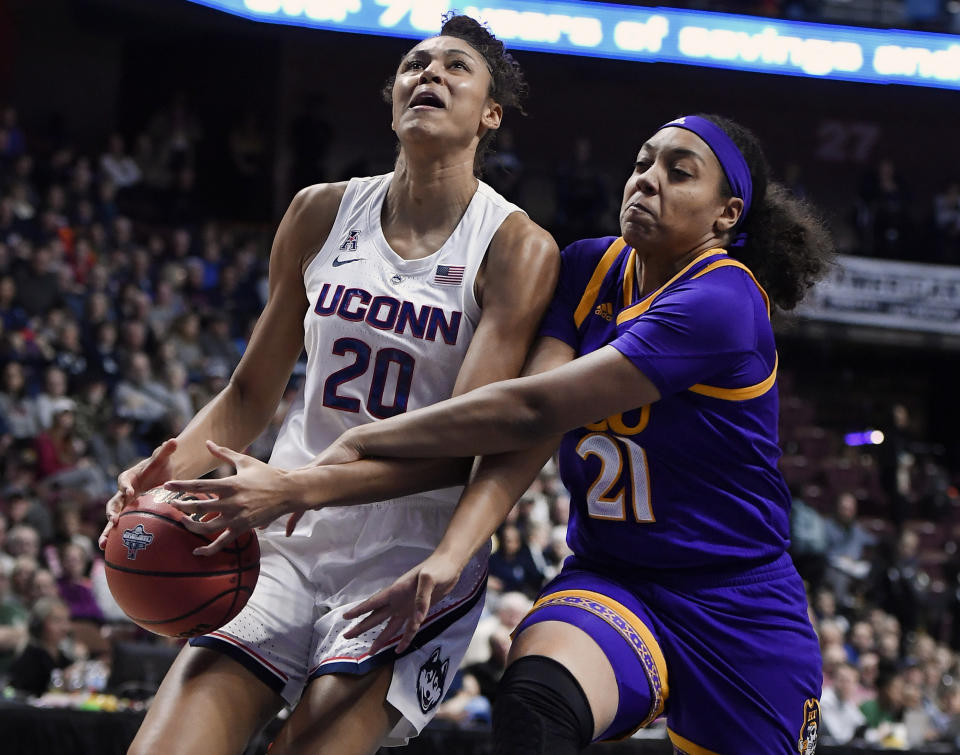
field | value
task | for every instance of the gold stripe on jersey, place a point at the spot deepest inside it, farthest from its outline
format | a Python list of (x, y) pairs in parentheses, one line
[(685, 746), (735, 263), (585, 307), (638, 309), (632, 629), (739, 394), (749, 391), (629, 277)]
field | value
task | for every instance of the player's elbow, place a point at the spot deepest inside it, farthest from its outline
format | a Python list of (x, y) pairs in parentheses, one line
[(528, 413)]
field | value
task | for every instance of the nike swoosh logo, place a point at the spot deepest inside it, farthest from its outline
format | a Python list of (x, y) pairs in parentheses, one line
[(337, 261)]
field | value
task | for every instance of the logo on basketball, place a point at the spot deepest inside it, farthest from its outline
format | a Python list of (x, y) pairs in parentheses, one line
[(136, 540), (430, 681), (807, 744)]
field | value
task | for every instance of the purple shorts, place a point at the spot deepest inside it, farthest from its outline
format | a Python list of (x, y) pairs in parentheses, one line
[(730, 657)]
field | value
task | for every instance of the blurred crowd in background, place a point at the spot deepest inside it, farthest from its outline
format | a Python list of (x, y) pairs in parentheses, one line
[(125, 306)]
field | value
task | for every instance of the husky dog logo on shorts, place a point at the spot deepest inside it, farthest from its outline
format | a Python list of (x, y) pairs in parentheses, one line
[(430, 681), (136, 540), (807, 744)]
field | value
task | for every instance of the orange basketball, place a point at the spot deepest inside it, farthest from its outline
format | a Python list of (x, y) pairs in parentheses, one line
[(161, 585)]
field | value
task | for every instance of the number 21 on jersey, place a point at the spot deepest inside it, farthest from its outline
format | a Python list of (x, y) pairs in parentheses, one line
[(616, 454)]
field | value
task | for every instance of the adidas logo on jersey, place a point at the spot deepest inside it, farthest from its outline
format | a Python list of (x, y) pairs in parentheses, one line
[(605, 311)]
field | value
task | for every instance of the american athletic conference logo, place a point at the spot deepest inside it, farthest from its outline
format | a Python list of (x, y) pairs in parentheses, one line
[(430, 681), (350, 242), (136, 540)]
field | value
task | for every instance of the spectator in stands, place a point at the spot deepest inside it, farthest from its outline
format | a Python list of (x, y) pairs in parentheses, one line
[(138, 395), (884, 212), (12, 314), (49, 628), (74, 585), (903, 583), (464, 702), (185, 338), (840, 712), (15, 142), (70, 353), (24, 538), (134, 338), (946, 220), (13, 621), (118, 166), (69, 528), (37, 282), (808, 542), (94, 407), (167, 306), (62, 458), (216, 344), (17, 408), (512, 568), (43, 585), (491, 640), (868, 667), (53, 397), (114, 450), (950, 703), (847, 542), (486, 656), (834, 656), (6, 560), (884, 713), (861, 640), (503, 169), (919, 727), (103, 355), (178, 398), (21, 580), (582, 199)]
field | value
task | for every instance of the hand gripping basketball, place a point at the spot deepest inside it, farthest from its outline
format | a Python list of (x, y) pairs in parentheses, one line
[(253, 497), (158, 581), (141, 477)]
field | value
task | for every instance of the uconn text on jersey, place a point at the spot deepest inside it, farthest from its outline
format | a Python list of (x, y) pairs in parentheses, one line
[(387, 313)]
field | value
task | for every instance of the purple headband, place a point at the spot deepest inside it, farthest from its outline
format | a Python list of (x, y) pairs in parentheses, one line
[(731, 159)]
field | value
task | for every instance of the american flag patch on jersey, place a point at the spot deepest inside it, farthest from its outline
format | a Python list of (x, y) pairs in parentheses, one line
[(449, 275)]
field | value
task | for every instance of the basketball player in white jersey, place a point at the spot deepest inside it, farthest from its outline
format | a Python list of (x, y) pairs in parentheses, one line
[(404, 289)]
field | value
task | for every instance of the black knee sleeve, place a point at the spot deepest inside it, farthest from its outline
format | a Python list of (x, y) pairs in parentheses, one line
[(540, 710)]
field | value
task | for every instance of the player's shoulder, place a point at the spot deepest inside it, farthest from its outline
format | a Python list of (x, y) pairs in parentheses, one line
[(720, 299), (306, 225), (581, 258), (518, 233), (587, 251), (317, 201), (729, 284)]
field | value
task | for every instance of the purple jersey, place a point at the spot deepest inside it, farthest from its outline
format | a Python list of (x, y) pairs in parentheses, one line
[(690, 481)]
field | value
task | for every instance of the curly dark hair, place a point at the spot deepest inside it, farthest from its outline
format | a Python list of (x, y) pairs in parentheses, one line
[(787, 246), (508, 85)]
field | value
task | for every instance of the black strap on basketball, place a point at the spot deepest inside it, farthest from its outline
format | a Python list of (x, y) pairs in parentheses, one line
[(540, 709)]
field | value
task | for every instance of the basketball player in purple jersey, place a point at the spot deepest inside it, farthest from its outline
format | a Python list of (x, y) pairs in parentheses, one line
[(657, 362), (404, 289)]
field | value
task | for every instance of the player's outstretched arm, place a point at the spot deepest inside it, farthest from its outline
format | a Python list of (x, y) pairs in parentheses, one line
[(510, 415), (240, 412)]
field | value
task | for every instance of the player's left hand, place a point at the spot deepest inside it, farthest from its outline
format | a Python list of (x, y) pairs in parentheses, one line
[(404, 604), (253, 497)]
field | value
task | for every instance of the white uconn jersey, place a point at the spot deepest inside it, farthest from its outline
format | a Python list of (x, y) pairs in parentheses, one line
[(384, 335)]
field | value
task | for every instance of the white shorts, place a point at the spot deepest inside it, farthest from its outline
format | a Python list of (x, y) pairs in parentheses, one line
[(291, 630)]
